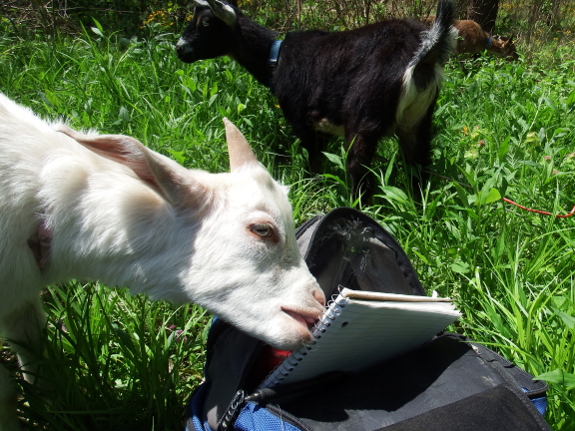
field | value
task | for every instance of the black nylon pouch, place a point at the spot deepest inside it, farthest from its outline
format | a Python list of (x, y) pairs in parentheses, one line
[(448, 375), (497, 408), (346, 247)]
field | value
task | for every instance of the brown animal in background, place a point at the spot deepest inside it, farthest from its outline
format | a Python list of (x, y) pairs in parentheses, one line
[(474, 40)]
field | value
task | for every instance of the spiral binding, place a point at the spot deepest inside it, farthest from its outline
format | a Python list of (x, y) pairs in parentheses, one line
[(331, 313)]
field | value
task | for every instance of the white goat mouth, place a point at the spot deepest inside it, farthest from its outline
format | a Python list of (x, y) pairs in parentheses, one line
[(304, 317)]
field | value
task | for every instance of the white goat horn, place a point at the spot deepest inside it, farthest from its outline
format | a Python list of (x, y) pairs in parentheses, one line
[(239, 150), (223, 11), (202, 2)]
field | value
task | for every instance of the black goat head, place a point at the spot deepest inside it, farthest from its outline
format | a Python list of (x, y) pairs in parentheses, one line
[(209, 33)]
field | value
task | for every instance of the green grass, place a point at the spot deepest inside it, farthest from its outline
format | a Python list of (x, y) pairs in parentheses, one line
[(116, 360), (503, 130)]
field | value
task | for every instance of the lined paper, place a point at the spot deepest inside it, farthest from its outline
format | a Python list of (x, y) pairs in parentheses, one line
[(355, 333)]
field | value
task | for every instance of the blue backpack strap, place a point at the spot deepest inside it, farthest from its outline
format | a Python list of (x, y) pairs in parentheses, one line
[(254, 418), (540, 404), (194, 415)]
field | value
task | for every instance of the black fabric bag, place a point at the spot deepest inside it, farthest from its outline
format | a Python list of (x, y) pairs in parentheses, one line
[(449, 384)]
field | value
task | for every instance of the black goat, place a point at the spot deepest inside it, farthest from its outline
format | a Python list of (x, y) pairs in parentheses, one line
[(363, 84)]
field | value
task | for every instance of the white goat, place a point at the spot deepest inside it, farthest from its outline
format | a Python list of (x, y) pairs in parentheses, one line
[(104, 207)]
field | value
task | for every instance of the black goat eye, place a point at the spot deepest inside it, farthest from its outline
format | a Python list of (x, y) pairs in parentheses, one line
[(205, 22), (263, 230)]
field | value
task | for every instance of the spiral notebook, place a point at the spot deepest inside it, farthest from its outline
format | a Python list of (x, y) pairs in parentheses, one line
[(361, 328)]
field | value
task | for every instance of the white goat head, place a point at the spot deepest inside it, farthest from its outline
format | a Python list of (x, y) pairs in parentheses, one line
[(227, 241), (112, 210)]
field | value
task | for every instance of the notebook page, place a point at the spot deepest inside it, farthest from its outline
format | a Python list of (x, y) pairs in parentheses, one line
[(358, 333), (383, 296)]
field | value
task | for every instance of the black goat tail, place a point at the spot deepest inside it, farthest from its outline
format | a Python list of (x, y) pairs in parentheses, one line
[(424, 74), (438, 43)]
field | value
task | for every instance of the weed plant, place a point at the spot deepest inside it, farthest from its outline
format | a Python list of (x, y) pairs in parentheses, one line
[(503, 130)]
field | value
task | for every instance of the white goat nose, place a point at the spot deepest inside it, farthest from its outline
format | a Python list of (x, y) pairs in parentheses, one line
[(319, 296)]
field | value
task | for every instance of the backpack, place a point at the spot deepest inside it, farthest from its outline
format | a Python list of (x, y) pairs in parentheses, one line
[(449, 384)]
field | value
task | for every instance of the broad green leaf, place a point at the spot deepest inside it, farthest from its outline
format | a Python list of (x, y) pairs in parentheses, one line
[(97, 31), (571, 99), (462, 195), (98, 26), (559, 377), (178, 156), (420, 256), (503, 149), (335, 178), (335, 159), (567, 319), (124, 114), (50, 98), (460, 267), (492, 196), (395, 193)]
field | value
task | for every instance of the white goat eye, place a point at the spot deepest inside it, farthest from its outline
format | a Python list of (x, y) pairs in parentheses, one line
[(263, 230)]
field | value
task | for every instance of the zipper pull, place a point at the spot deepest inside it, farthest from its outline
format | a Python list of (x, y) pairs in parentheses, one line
[(232, 411)]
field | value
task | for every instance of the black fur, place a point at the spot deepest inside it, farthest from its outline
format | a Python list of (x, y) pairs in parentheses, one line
[(351, 78)]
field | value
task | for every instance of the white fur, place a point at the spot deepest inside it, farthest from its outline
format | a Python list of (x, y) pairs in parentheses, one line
[(413, 103), (325, 126), (138, 219)]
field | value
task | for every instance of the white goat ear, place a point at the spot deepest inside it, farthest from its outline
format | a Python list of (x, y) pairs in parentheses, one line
[(150, 167), (224, 12), (241, 154)]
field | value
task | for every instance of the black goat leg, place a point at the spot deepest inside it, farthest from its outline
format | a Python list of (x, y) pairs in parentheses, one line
[(415, 146), (363, 148)]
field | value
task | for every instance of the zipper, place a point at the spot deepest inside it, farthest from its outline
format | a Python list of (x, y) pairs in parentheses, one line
[(232, 411), (239, 401)]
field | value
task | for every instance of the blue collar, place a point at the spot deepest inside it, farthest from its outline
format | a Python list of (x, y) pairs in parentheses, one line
[(274, 53), (489, 41), (273, 60)]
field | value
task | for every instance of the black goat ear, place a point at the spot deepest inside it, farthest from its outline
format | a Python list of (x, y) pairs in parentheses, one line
[(202, 3), (223, 11)]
